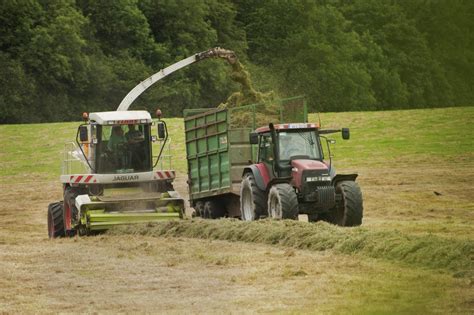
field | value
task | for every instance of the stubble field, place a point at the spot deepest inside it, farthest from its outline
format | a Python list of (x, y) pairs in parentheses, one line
[(413, 253)]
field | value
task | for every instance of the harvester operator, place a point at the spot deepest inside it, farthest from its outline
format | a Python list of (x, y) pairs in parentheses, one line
[(134, 137), (116, 145)]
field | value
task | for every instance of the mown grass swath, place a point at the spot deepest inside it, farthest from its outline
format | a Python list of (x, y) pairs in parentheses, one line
[(455, 256)]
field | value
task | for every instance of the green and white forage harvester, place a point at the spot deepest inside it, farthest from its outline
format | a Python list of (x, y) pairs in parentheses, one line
[(110, 175)]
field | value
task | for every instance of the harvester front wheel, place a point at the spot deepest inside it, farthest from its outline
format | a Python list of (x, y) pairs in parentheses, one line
[(349, 211), (282, 202), (70, 212), (252, 199), (55, 220)]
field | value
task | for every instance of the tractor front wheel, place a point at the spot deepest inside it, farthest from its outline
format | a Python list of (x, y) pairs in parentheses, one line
[(282, 202), (252, 199), (349, 211), (55, 220)]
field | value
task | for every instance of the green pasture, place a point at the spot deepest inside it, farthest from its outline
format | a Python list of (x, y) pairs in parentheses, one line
[(377, 138)]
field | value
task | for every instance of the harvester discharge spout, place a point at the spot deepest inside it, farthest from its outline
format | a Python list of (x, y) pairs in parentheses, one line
[(215, 52)]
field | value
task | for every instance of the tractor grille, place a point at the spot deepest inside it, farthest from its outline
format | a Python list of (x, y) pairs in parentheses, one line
[(321, 193)]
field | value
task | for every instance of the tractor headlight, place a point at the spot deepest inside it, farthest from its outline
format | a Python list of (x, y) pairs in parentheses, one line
[(318, 179)]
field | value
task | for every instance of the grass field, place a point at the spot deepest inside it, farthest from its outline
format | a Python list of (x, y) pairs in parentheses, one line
[(413, 254)]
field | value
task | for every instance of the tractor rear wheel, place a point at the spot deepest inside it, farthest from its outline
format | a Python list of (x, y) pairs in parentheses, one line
[(55, 220), (252, 199), (349, 211), (282, 202)]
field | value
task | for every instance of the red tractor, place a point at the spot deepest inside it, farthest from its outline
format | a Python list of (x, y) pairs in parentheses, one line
[(291, 177)]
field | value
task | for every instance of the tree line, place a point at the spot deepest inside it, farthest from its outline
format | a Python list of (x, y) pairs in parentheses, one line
[(59, 58)]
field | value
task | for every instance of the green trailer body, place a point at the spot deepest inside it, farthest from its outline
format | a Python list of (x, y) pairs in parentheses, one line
[(218, 147)]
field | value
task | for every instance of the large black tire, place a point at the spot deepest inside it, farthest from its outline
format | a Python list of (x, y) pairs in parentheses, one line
[(252, 199), (349, 211), (70, 195), (55, 220), (282, 202), (213, 209), (199, 208)]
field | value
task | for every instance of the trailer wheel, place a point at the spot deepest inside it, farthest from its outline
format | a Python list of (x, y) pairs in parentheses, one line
[(213, 209), (252, 199), (282, 202), (55, 220), (350, 211), (199, 207)]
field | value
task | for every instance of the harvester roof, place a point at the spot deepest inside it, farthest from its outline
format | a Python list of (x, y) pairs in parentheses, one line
[(287, 127), (121, 117)]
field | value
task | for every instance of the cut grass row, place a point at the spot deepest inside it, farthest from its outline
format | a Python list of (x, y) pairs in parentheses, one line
[(427, 251)]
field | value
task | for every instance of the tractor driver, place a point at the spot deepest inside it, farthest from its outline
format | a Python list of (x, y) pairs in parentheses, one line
[(288, 146)]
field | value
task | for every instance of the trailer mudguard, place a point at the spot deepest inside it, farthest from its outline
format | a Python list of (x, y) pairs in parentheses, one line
[(344, 177), (260, 173)]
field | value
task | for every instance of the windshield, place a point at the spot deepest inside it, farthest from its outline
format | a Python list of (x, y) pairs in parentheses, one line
[(123, 148), (299, 143)]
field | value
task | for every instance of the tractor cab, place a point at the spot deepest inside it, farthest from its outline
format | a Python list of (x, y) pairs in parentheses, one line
[(293, 140), (280, 145)]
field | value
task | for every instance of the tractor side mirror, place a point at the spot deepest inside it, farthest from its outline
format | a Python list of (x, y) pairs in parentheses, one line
[(83, 136), (161, 131), (346, 133), (253, 138)]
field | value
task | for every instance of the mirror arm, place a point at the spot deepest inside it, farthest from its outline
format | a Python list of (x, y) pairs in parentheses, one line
[(328, 131), (82, 151), (329, 152), (163, 145)]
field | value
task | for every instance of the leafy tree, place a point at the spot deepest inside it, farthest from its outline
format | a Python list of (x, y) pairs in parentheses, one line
[(405, 47)]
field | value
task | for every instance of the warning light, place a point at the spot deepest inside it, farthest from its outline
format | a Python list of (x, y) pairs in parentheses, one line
[(158, 113)]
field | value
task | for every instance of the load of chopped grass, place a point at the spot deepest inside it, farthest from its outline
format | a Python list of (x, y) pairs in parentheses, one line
[(429, 251), (266, 109)]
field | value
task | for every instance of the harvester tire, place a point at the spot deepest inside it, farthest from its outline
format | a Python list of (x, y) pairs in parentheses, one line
[(252, 199), (70, 195), (282, 202), (55, 220), (350, 211)]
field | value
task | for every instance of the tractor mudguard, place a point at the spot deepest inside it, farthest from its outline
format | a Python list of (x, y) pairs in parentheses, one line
[(260, 174), (342, 177)]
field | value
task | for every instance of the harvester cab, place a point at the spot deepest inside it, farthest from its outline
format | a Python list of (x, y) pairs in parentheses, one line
[(292, 177), (109, 175)]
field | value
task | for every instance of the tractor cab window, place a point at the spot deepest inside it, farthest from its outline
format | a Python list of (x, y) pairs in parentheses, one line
[(302, 143), (123, 148), (265, 149)]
